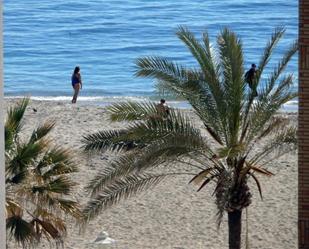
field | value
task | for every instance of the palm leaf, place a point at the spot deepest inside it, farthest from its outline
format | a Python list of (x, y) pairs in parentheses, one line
[(269, 48), (57, 161), (257, 184), (199, 95), (275, 124), (120, 189), (168, 149), (163, 70), (210, 104), (41, 131), (141, 133), (15, 115), (232, 68), (13, 122), (284, 141), (265, 110), (131, 111), (197, 179), (21, 230), (60, 185), (70, 207), (104, 140), (25, 155), (279, 70), (208, 180), (202, 55)]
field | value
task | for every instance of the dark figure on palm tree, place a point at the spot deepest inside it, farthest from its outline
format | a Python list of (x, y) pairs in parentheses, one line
[(250, 79)]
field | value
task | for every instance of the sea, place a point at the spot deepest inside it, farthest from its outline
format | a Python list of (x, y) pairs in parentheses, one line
[(44, 40)]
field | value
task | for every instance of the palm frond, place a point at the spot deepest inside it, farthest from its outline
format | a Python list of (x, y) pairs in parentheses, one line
[(120, 189), (258, 184), (264, 109), (207, 96), (141, 133), (202, 54), (41, 131), (56, 161), (21, 230), (48, 229), (167, 149), (49, 226), (60, 185), (197, 179), (269, 48), (15, 115), (104, 140), (70, 207), (208, 180), (131, 111), (250, 169), (267, 89), (231, 56), (273, 125), (13, 122), (283, 142), (209, 108), (158, 128), (163, 70), (231, 151), (25, 155), (17, 177)]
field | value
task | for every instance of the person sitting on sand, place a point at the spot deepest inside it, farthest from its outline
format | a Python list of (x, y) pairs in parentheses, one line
[(162, 109), (76, 83), (250, 79)]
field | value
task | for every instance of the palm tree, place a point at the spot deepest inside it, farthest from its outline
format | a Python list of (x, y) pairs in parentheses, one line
[(235, 119), (37, 182)]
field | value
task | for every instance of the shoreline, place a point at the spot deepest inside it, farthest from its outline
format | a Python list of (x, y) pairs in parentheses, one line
[(103, 101)]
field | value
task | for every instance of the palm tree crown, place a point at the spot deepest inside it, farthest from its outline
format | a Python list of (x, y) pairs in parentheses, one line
[(234, 117), (37, 185)]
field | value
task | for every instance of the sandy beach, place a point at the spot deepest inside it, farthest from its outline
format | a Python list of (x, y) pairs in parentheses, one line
[(172, 215)]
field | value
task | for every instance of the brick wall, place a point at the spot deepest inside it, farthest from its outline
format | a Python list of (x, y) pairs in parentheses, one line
[(303, 127)]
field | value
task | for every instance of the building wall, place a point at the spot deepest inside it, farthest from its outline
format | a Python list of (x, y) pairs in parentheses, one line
[(303, 126)]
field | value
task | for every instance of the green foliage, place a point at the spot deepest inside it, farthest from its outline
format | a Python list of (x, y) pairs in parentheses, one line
[(37, 183), (234, 118)]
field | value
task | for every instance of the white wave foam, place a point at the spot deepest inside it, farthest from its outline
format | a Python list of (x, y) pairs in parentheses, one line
[(82, 98), (292, 105)]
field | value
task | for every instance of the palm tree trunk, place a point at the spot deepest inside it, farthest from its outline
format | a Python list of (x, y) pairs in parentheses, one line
[(234, 219)]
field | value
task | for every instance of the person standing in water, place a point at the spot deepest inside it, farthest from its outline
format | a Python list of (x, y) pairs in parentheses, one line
[(76, 83)]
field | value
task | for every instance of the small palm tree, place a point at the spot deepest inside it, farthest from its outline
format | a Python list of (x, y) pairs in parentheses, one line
[(37, 182), (233, 116)]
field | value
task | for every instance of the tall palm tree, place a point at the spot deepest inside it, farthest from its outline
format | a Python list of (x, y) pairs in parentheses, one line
[(38, 186), (233, 116)]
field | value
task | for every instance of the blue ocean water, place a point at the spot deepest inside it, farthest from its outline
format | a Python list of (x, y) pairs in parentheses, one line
[(44, 40)]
